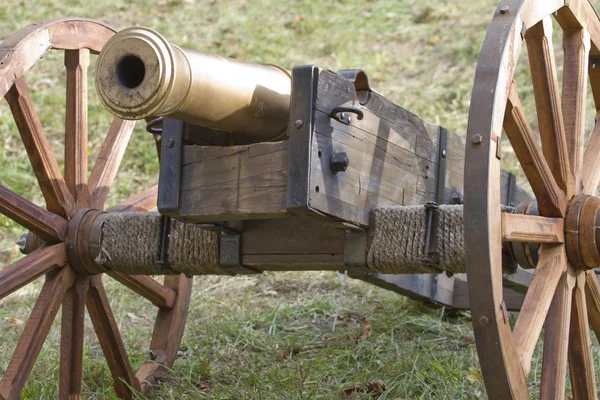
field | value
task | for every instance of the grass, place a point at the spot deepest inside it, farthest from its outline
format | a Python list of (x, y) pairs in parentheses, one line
[(271, 337)]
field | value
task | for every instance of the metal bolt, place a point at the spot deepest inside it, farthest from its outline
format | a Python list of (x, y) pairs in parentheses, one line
[(483, 320), (477, 139), (504, 9), (444, 153), (170, 143), (22, 243), (339, 162), (299, 123)]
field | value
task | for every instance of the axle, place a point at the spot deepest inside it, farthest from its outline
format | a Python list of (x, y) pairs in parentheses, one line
[(153, 244)]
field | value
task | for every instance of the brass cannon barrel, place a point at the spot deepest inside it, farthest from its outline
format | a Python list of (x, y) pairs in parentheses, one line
[(140, 74)]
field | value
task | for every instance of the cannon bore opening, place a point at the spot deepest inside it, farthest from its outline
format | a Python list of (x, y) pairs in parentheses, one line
[(130, 71)]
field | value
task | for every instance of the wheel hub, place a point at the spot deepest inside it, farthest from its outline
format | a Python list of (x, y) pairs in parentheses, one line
[(582, 232), (78, 241)]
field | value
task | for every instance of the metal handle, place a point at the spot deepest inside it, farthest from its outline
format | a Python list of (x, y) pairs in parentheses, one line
[(152, 126), (341, 114)]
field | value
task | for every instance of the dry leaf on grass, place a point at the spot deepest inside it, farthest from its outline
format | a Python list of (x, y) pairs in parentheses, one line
[(14, 322), (474, 375), (367, 330), (376, 389), (468, 339)]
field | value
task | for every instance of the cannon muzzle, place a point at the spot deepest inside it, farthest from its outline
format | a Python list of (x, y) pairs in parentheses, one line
[(140, 75)]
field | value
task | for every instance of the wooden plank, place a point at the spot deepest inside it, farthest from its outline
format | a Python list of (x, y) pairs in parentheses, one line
[(513, 299), (429, 288), (297, 236), (406, 164), (532, 229), (377, 142), (334, 91), (295, 262), (236, 182)]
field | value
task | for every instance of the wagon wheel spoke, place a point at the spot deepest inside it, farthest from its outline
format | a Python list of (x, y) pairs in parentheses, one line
[(110, 339), (551, 198), (576, 44), (168, 331), (31, 267), (547, 100), (145, 286), (35, 332), (46, 225), (43, 161), (556, 341), (532, 229), (71, 344), (592, 299), (143, 201), (551, 265), (581, 362), (591, 158), (108, 161), (76, 132)]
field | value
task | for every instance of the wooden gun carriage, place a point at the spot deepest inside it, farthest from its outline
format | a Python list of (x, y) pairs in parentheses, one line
[(321, 174)]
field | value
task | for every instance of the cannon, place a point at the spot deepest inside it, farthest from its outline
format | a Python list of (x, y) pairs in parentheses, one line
[(311, 169)]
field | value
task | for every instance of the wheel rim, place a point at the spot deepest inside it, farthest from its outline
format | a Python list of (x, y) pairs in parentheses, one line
[(66, 197), (563, 297)]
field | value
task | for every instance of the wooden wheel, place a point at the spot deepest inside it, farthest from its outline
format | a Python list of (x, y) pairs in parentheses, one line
[(564, 295), (67, 199)]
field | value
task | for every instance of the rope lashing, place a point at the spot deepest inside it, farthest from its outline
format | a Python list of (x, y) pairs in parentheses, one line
[(397, 240), (130, 244), (396, 243)]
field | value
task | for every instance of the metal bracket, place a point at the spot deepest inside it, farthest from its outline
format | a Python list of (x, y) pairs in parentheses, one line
[(512, 187), (170, 166), (230, 245), (162, 257), (355, 249), (442, 157), (300, 132)]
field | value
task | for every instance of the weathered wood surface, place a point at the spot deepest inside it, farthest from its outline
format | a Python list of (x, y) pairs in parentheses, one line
[(393, 161), (237, 182)]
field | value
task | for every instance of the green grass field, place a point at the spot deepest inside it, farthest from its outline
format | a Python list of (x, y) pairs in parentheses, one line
[(271, 336)]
